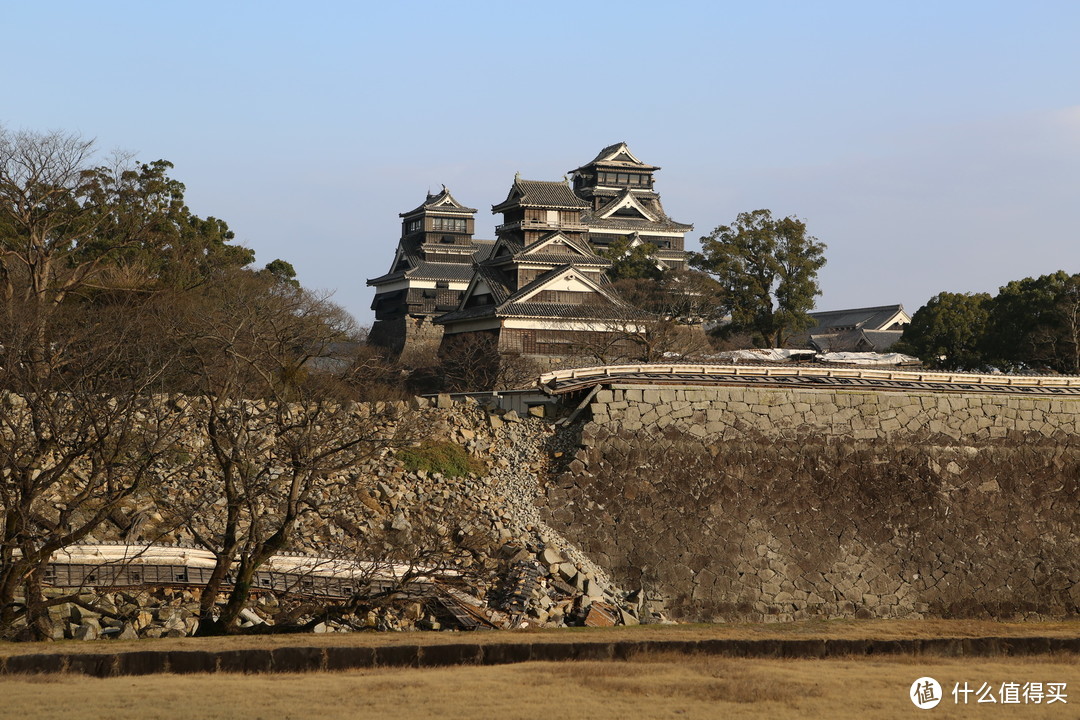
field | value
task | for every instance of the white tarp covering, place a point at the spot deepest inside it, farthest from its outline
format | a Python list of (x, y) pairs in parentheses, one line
[(763, 355), (866, 358), (782, 355)]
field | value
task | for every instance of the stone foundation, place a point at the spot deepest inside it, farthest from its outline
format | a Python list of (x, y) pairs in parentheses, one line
[(729, 413), (410, 336), (758, 504)]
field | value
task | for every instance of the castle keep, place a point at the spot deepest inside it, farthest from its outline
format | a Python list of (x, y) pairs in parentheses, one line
[(539, 288)]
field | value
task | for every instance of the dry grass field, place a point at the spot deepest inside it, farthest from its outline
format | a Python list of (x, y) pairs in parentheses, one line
[(649, 686)]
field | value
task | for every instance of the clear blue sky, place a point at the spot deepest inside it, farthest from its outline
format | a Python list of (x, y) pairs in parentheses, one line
[(931, 145)]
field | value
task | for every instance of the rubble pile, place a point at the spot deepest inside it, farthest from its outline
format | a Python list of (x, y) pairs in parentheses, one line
[(499, 565)]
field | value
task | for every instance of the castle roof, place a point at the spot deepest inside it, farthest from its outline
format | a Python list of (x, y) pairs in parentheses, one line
[(641, 204), (442, 202), (618, 156), (540, 193), (881, 317), (519, 304), (417, 268)]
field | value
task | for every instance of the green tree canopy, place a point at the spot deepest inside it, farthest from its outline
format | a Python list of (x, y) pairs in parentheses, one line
[(1030, 325), (68, 224), (632, 261), (948, 332), (767, 269), (282, 271), (1035, 324)]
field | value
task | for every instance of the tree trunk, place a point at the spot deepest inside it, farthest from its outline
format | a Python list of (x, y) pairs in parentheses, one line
[(39, 624)]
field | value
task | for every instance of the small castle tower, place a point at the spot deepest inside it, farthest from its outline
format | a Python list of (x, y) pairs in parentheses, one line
[(432, 267)]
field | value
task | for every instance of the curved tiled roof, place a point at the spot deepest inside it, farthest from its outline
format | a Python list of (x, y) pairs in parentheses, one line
[(433, 203), (425, 270), (511, 306), (540, 193), (483, 249), (613, 151), (543, 250), (420, 269), (563, 258), (592, 217), (628, 224), (868, 318), (595, 311), (497, 281)]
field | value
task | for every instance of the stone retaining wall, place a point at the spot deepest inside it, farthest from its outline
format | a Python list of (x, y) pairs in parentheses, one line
[(768, 504), (315, 659), (731, 412)]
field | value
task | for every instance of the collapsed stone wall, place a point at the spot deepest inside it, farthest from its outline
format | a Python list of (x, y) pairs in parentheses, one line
[(767, 504), (484, 527), (733, 504)]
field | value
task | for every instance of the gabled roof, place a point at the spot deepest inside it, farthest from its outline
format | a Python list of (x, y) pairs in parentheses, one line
[(540, 193), (569, 275), (553, 248), (881, 317), (857, 340), (518, 303), (617, 155), (442, 201), (484, 248), (412, 265), (496, 281), (420, 269), (626, 199), (557, 243), (505, 249), (605, 219)]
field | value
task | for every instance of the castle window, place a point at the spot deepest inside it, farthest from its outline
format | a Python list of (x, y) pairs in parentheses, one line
[(449, 224), (413, 226)]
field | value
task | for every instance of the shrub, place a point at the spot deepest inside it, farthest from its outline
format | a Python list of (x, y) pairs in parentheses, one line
[(442, 457)]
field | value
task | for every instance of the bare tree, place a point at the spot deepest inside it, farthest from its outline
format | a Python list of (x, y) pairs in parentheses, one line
[(667, 317), (273, 437), (372, 374), (472, 362), (46, 213), (76, 443), (68, 225)]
